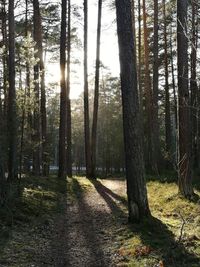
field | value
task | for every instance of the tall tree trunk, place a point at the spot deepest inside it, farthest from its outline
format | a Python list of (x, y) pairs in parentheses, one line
[(148, 94), (12, 117), (173, 80), (2, 152), (156, 135), (63, 94), (86, 99), (96, 93), (3, 102), (175, 99), (21, 156), (133, 22), (5, 60), (38, 39), (140, 57), (28, 90), (193, 83), (185, 160), (36, 112), (167, 96), (136, 189), (69, 127)]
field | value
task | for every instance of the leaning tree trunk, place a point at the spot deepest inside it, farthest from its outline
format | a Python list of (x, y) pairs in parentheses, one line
[(63, 95), (96, 94), (185, 160), (11, 123), (136, 188), (86, 99)]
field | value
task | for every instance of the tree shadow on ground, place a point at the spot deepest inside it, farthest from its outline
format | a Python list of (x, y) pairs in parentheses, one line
[(34, 207), (87, 221), (152, 231)]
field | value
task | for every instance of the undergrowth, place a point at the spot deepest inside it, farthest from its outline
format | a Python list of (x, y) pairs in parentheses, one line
[(27, 217), (171, 238)]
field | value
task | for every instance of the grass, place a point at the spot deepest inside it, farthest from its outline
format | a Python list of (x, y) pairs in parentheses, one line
[(159, 241), (171, 238), (26, 221)]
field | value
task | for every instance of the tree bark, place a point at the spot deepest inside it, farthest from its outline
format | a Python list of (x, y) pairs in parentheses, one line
[(140, 58), (185, 160), (2, 152), (12, 116), (36, 113), (167, 96), (136, 189), (148, 95), (69, 127), (21, 156), (156, 135), (63, 95), (193, 84), (28, 90), (86, 99), (173, 81), (96, 94), (38, 39)]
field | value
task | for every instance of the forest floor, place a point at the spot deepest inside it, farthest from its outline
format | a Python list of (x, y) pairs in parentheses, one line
[(85, 224)]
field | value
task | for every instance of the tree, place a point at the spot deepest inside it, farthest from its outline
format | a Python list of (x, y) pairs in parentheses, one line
[(36, 113), (3, 98), (167, 95), (11, 123), (96, 93), (68, 127), (156, 138), (184, 160), (63, 95), (2, 159), (148, 95), (193, 82), (38, 39), (86, 100), (136, 188), (139, 56)]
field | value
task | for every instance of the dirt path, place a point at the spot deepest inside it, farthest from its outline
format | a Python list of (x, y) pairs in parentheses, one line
[(86, 232)]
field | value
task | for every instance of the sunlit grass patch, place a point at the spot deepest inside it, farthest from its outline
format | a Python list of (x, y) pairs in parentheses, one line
[(77, 185), (171, 239)]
